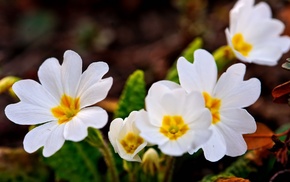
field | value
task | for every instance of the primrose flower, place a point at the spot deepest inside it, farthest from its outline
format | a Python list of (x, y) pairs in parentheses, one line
[(60, 103), (225, 99), (125, 139), (254, 36), (175, 120)]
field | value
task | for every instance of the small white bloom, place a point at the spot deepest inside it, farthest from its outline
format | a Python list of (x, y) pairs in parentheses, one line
[(125, 139), (254, 35), (225, 99), (60, 103), (175, 120)]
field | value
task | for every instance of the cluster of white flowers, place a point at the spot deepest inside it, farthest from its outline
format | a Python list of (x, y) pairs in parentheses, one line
[(202, 112)]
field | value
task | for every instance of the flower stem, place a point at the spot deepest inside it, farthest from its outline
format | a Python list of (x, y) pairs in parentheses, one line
[(169, 168), (96, 139)]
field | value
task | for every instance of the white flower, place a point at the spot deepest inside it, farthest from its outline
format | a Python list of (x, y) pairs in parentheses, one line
[(60, 103), (125, 139), (254, 36), (175, 120), (225, 99)]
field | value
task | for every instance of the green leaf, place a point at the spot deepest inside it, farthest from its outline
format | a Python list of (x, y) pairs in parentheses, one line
[(187, 54), (76, 162), (133, 95)]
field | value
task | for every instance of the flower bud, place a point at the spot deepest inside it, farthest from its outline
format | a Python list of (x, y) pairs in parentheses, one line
[(150, 162)]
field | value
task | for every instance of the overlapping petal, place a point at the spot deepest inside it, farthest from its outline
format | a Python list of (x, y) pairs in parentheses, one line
[(119, 132), (225, 102), (174, 102), (61, 102), (260, 30)]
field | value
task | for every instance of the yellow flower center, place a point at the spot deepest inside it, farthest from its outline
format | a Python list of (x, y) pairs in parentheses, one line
[(173, 127), (131, 142), (67, 109), (213, 104), (241, 45)]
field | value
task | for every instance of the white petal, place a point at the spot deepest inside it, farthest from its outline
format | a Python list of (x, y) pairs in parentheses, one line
[(148, 131), (201, 137), (31, 92), (266, 55), (28, 114), (54, 142), (239, 120), (114, 131), (75, 130), (262, 10), (236, 94), (201, 75), (193, 102), (257, 34), (284, 43), (215, 148), (172, 148), (95, 117), (235, 143), (95, 92), (92, 75), (38, 136), (71, 71), (49, 74), (159, 88), (238, 69)]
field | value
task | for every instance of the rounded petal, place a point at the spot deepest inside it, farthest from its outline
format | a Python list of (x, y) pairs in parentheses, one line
[(235, 143), (257, 34), (235, 93), (173, 148), (75, 130), (38, 136), (266, 55), (201, 75), (31, 92), (262, 10), (28, 114), (95, 117), (157, 89), (284, 43), (92, 75), (49, 74), (239, 120), (54, 142), (71, 71), (215, 148), (95, 92), (148, 131), (114, 131), (238, 69), (201, 137)]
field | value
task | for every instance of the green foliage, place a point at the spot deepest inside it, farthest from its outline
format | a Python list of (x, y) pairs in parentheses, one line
[(133, 95), (17, 165), (187, 54), (76, 162)]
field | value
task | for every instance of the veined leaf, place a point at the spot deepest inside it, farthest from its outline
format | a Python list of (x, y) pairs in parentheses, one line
[(76, 162), (133, 95)]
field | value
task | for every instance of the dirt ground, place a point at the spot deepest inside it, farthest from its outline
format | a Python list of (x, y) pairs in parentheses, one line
[(128, 35)]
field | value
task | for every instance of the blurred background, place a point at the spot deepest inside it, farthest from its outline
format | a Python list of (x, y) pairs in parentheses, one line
[(128, 35)]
